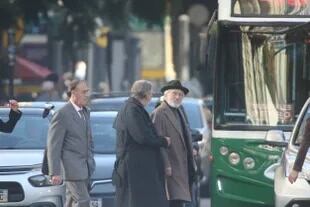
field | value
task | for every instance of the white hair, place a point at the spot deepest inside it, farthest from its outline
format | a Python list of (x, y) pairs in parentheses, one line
[(141, 88)]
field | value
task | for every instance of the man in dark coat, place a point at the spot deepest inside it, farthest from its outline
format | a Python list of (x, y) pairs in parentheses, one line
[(138, 153), (170, 120), (14, 116), (302, 152)]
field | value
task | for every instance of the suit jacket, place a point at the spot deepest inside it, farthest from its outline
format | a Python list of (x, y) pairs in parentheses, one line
[(179, 156), (10, 124), (70, 144)]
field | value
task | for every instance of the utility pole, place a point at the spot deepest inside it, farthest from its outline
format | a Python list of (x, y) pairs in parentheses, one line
[(184, 48), (11, 57)]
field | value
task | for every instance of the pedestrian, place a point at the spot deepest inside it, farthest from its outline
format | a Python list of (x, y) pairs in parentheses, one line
[(49, 90), (170, 120), (70, 146), (139, 164), (302, 152), (14, 116)]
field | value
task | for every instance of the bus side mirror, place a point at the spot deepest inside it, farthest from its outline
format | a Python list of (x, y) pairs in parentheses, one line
[(276, 138), (196, 135)]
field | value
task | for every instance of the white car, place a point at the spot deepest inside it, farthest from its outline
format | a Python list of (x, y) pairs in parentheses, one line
[(297, 194), (21, 153)]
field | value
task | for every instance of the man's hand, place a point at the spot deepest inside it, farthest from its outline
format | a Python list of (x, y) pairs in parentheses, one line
[(56, 180), (13, 104), (168, 141), (168, 171), (293, 176)]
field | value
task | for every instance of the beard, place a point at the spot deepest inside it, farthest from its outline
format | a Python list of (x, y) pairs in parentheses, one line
[(174, 104)]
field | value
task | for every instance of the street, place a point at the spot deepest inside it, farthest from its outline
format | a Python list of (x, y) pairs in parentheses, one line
[(205, 202)]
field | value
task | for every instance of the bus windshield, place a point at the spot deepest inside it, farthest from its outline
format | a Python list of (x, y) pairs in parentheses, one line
[(263, 77), (296, 8)]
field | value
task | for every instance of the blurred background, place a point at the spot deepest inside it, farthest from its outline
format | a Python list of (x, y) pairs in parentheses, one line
[(109, 43)]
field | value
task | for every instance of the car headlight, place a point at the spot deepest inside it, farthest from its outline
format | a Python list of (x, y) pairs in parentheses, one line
[(40, 181), (234, 158), (248, 163)]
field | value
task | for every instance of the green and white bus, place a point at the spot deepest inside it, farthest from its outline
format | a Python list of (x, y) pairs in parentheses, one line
[(259, 51)]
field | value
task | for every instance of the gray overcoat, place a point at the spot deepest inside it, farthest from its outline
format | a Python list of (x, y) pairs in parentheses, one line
[(179, 155)]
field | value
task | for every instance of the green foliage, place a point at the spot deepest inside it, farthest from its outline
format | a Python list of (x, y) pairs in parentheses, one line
[(115, 12), (31, 8), (152, 11), (9, 11)]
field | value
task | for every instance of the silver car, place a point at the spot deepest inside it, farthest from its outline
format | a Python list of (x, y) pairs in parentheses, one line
[(21, 180), (297, 194), (21, 154)]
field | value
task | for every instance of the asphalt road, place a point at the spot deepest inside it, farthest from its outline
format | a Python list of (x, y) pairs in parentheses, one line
[(205, 202)]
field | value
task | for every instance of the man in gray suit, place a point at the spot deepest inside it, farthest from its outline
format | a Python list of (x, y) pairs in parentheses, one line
[(70, 146)]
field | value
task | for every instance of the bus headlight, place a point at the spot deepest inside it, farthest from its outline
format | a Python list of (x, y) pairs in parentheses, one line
[(248, 163), (234, 158), (223, 150)]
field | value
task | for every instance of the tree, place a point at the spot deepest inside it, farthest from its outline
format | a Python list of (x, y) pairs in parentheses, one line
[(151, 11)]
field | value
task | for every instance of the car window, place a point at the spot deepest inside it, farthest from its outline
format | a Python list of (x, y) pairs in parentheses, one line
[(302, 127), (193, 113), (104, 135), (30, 132)]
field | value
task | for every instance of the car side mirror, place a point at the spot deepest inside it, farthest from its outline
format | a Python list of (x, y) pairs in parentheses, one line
[(196, 135), (47, 109), (276, 138)]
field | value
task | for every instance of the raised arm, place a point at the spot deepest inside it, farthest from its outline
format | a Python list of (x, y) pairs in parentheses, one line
[(8, 126)]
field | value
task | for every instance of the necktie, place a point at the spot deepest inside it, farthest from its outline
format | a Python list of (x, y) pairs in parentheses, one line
[(81, 114)]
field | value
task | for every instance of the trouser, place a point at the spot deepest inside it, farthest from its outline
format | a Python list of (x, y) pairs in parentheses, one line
[(176, 203), (77, 193)]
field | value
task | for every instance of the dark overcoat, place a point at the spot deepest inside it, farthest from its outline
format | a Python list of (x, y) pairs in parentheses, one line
[(140, 165), (179, 156), (8, 126)]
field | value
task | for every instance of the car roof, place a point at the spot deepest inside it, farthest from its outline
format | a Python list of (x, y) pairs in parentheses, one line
[(103, 113), (42, 104), (25, 111), (124, 98)]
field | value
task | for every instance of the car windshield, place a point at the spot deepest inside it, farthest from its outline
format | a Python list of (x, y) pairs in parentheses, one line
[(30, 132), (104, 134)]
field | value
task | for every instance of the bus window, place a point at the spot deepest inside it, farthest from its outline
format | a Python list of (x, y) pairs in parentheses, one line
[(260, 78)]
